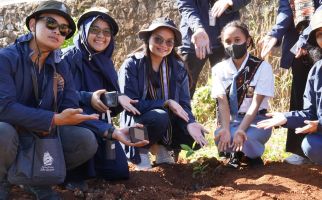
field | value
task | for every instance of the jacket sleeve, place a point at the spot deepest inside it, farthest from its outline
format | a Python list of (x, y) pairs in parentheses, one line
[(190, 13), (15, 113), (71, 58), (237, 5), (284, 20), (70, 96), (129, 75), (97, 126), (184, 97), (85, 97), (296, 118)]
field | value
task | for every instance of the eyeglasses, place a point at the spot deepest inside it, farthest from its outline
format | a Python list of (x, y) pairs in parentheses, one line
[(52, 24), (159, 40), (95, 30)]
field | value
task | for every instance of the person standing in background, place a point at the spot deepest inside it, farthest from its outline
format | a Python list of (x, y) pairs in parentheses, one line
[(200, 26)]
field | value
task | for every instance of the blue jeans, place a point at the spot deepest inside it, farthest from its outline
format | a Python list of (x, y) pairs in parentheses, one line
[(312, 147), (254, 146), (79, 145)]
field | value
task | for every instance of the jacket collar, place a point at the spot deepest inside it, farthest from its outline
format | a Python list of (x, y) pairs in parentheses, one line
[(53, 58)]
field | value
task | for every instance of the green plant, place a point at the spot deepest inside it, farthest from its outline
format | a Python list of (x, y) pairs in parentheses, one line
[(188, 149), (199, 167)]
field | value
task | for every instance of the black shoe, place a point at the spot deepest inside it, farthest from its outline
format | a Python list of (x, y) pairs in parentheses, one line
[(44, 193), (254, 162), (4, 189), (224, 154), (235, 158), (76, 185)]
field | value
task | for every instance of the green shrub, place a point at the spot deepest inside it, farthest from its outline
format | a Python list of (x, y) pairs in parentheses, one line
[(203, 106)]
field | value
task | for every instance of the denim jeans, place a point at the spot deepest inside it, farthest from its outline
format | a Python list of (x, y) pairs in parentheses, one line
[(312, 146), (254, 146), (79, 145)]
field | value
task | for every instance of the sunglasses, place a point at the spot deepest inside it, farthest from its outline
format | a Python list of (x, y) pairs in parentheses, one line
[(159, 40), (52, 24), (95, 30)]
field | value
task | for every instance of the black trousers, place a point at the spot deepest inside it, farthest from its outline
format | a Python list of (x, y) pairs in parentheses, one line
[(300, 70), (157, 122), (195, 65)]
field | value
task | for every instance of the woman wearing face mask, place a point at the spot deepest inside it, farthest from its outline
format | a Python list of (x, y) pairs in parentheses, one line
[(156, 77), (242, 85)]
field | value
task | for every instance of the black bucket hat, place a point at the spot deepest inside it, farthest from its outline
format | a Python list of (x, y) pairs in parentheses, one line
[(102, 12), (54, 7), (315, 23), (161, 22)]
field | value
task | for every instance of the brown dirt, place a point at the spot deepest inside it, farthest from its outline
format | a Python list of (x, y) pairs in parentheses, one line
[(275, 180)]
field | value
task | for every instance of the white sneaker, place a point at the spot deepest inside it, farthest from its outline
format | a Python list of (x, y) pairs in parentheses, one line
[(296, 160), (163, 156), (145, 163)]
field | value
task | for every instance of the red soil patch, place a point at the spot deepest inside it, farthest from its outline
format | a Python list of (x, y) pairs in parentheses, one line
[(273, 181)]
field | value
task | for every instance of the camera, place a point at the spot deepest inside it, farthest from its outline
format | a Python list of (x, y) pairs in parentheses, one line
[(138, 134), (110, 99)]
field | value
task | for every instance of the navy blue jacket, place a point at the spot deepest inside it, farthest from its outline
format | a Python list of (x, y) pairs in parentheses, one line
[(312, 100), (74, 57), (195, 14), (133, 82), (18, 105), (284, 30)]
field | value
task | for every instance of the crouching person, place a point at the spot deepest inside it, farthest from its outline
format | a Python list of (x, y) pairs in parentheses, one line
[(242, 85), (156, 76), (27, 97), (307, 121), (90, 61)]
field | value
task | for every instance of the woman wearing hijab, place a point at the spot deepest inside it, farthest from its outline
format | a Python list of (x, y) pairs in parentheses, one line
[(94, 74)]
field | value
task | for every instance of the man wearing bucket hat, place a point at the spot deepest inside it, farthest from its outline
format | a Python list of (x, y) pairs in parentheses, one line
[(309, 120), (94, 74), (156, 77), (28, 69), (201, 25)]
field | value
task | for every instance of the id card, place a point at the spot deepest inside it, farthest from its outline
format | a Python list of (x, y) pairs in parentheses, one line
[(212, 19)]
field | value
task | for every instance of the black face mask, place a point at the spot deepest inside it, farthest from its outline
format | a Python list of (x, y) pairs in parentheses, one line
[(236, 51)]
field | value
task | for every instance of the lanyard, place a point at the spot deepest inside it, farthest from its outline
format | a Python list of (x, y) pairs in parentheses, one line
[(44, 83), (35, 83)]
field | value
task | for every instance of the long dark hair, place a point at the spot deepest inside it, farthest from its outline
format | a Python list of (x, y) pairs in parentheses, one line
[(144, 48)]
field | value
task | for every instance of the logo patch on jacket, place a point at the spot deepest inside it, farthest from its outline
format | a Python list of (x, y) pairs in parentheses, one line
[(60, 82)]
